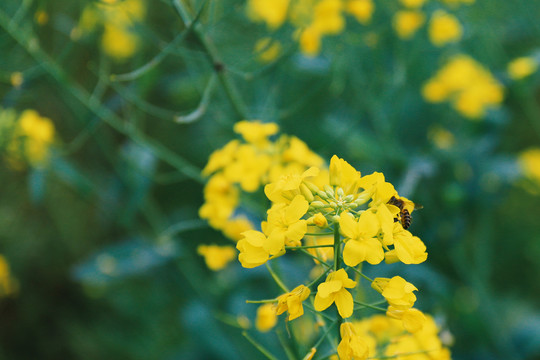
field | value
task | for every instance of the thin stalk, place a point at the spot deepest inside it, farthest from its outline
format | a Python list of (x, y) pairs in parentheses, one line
[(369, 306), (212, 55), (276, 278), (259, 347), (267, 301), (361, 274), (337, 266), (316, 258), (307, 247)]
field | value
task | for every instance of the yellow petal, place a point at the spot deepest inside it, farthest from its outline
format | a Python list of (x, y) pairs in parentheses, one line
[(344, 303), (348, 226), (354, 253), (322, 303), (297, 208), (329, 287)]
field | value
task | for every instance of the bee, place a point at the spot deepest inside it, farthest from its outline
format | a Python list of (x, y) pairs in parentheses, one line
[(404, 215)]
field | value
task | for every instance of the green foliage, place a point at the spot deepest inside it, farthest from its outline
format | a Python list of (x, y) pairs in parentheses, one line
[(102, 241)]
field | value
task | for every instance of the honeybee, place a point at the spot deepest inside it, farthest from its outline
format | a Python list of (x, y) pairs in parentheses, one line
[(404, 215)]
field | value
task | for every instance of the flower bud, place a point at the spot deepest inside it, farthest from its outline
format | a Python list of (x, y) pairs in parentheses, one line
[(311, 186), (320, 220), (317, 204), (340, 192), (329, 191), (306, 192), (322, 195)]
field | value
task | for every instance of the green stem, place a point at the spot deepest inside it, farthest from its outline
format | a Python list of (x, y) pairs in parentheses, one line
[(316, 258), (369, 306), (318, 234), (361, 274), (337, 266), (276, 278), (29, 42), (307, 247), (259, 347), (211, 53), (267, 301)]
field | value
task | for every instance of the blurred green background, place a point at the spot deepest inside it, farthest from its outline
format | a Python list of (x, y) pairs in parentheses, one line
[(101, 241)]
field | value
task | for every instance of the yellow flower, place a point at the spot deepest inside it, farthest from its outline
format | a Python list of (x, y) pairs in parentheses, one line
[(233, 228), (320, 220), (7, 284), (471, 88), (529, 161), (220, 158), (397, 291), (266, 317), (441, 137), (119, 42), (343, 175), (272, 12), (334, 289), (362, 10), (292, 302), (249, 168), (298, 152), (216, 257), (444, 28), (324, 253), (267, 50), (284, 224), (412, 3), (328, 18), (310, 41), (407, 22), (351, 346), (35, 136), (362, 243), (290, 185), (409, 249), (221, 198), (522, 67), (255, 132)]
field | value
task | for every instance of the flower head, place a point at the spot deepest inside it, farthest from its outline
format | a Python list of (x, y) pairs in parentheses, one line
[(351, 346), (334, 289), (292, 302)]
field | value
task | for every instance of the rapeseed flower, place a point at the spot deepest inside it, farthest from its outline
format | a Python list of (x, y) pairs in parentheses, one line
[(351, 346), (292, 302), (334, 289), (266, 317), (216, 257), (407, 22), (522, 67), (444, 28)]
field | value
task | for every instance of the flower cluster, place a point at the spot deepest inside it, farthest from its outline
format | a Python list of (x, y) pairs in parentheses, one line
[(467, 85), (444, 28), (118, 19), (312, 19), (242, 167), (332, 214), (27, 138), (386, 337), (522, 67)]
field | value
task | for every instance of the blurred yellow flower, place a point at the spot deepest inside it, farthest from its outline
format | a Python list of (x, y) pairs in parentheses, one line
[(362, 10), (216, 257), (267, 49), (272, 12), (412, 3), (444, 28), (522, 67), (529, 161), (351, 346), (407, 22), (7, 283), (266, 317), (467, 85)]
